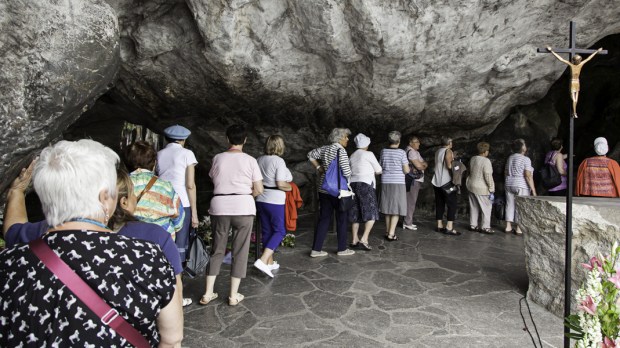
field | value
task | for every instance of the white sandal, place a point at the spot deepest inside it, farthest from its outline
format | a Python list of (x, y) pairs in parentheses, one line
[(235, 301), (204, 300)]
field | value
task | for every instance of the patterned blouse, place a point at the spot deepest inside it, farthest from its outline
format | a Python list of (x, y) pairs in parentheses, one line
[(37, 310), (160, 205)]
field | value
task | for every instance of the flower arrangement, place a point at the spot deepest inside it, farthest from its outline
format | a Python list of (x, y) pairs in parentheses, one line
[(289, 240), (597, 323)]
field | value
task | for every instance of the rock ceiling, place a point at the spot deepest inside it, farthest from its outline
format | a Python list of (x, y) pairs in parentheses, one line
[(459, 67)]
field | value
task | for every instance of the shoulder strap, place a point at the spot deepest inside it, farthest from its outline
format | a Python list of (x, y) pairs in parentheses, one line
[(147, 188), (108, 315)]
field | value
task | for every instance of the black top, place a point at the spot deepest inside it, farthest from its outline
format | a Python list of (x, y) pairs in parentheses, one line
[(36, 309)]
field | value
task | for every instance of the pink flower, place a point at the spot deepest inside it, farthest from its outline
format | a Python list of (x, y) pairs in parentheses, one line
[(616, 278), (594, 262), (608, 343), (588, 306)]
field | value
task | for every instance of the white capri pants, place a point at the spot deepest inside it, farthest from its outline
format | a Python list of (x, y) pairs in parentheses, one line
[(511, 211)]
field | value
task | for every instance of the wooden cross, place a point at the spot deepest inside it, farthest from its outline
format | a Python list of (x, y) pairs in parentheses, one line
[(575, 67)]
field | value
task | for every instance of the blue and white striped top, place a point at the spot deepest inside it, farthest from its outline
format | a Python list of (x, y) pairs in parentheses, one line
[(392, 161), (516, 165)]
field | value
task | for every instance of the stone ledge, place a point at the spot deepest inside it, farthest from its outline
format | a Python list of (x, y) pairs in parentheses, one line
[(596, 225)]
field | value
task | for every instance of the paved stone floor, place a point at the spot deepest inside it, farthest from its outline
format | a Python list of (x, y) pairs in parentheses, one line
[(425, 290)]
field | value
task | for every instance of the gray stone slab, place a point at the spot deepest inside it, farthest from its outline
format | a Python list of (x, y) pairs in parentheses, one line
[(397, 283), (429, 275), (359, 321), (333, 286), (349, 339), (327, 305), (274, 306), (293, 330), (289, 284), (389, 301)]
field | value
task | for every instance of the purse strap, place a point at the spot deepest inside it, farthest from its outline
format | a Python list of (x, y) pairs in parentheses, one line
[(338, 163), (108, 315), (147, 188)]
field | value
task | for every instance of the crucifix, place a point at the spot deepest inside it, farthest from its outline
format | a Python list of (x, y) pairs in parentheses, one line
[(575, 63)]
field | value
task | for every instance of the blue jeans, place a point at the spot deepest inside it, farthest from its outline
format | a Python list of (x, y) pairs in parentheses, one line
[(182, 237)]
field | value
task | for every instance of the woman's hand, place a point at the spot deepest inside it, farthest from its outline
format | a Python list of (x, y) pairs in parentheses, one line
[(195, 221)]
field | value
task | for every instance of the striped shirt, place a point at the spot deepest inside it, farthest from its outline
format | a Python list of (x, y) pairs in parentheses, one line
[(516, 165), (325, 155), (392, 161), (160, 205)]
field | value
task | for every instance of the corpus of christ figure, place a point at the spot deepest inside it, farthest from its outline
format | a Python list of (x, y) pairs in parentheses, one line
[(575, 70)]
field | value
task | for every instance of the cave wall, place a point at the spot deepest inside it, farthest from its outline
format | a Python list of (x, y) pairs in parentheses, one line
[(464, 68), (57, 58)]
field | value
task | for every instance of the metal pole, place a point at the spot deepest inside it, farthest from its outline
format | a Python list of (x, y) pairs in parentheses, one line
[(568, 253), (569, 230)]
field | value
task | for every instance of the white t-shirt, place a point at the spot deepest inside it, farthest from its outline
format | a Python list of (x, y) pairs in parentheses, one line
[(364, 165), (273, 169), (172, 162)]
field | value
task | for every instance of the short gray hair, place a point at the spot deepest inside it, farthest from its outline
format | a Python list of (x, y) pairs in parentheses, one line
[(69, 177), (394, 137), (337, 134), (445, 140)]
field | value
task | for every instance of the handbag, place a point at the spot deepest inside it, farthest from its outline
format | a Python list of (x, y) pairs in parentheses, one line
[(415, 173), (549, 175), (345, 203), (449, 187), (108, 315), (198, 256), (333, 177)]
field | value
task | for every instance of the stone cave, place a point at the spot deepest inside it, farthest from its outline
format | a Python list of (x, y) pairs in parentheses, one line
[(465, 69)]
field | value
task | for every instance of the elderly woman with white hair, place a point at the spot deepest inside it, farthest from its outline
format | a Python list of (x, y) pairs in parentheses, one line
[(321, 158), (393, 202), (599, 176), (76, 183), (364, 167)]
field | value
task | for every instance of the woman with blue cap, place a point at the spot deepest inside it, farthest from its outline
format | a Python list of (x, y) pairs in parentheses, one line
[(176, 164)]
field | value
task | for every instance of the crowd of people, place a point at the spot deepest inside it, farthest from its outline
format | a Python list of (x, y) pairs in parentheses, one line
[(125, 233)]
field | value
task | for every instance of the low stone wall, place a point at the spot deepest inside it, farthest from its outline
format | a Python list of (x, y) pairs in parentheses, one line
[(596, 225)]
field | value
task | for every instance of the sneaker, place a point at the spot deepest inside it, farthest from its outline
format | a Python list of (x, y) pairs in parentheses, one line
[(315, 253), (409, 227), (346, 252), (275, 265), (263, 267)]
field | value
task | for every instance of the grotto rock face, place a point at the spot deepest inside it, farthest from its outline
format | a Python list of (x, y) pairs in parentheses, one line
[(302, 67), (57, 58), (596, 226)]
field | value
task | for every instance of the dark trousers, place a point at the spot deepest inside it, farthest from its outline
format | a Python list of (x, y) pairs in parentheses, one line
[(442, 199), (329, 204), (182, 236)]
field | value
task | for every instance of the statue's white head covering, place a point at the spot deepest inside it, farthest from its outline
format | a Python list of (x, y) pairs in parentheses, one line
[(600, 146)]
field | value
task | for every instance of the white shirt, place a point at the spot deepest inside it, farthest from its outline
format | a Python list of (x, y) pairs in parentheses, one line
[(172, 162), (273, 169), (364, 165)]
